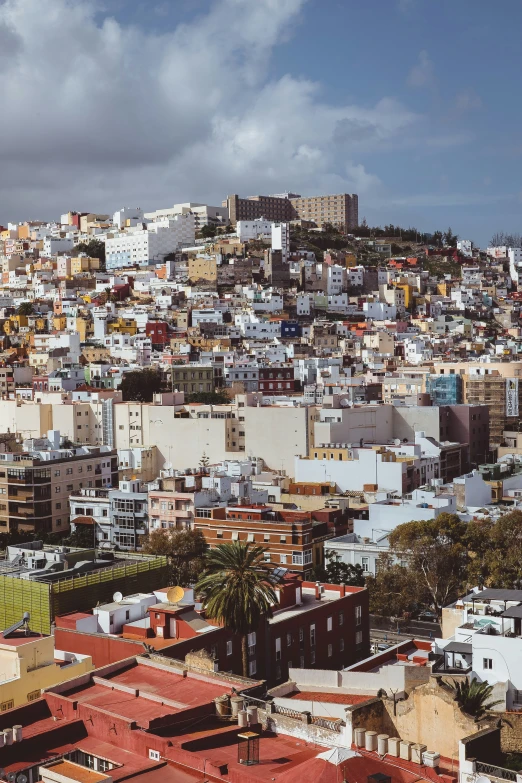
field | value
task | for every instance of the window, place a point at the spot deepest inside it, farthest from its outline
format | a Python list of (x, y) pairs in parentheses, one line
[(329, 623), (252, 667), (312, 635), (487, 663), (301, 662), (6, 705), (365, 562), (358, 637), (252, 643), (229, 647), (266, 537), (154, 755), (312, 656), (68, 472), (341, 618), (33, 695), (341, 645), (278, 648), (330, 650), (266, 556), (282, 540), (288, 639), (297, 558), (358, 615)]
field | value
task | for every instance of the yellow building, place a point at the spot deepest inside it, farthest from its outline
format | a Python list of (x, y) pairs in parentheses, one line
[(122, 326), (408, 294), (84, 264), (29, 663), (202, 268)]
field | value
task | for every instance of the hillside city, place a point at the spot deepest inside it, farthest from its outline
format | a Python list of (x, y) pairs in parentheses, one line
[(261, 497)]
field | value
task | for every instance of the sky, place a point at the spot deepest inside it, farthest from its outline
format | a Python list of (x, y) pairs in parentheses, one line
[(412, 104)]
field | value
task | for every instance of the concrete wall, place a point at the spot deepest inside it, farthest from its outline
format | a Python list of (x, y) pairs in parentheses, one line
[(429, 716), (277, 435), (408, 420)]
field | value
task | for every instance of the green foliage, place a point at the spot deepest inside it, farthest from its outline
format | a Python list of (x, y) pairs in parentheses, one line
[(394, 590), (94, 249), (141, 385), (83, 537), (185, 551), (208, 231), (26, 308), (335, 572), (217, 397), (496, 551), (472, 697), (237, 589), (437, 554)]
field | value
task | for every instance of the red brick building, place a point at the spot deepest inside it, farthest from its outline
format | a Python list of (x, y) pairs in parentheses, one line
[(276, 379), (315, 625)]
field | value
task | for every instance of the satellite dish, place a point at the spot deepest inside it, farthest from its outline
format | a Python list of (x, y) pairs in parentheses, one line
[(11, 777), (117, 597), (482, 779), (2, 773), (175, 594), (22, 779), (167, 465)]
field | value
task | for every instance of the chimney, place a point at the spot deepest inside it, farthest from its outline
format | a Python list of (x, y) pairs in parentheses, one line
[(342, 591), (318, 591), (17, 733)]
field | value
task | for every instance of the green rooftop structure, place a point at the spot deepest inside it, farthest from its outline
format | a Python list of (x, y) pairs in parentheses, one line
[(50, 580)]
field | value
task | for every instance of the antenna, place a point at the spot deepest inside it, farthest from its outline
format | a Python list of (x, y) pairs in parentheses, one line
[(117, 597), (175, 594)]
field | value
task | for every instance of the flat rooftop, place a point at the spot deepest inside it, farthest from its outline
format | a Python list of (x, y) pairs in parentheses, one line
[(179, 693), (75, 772)]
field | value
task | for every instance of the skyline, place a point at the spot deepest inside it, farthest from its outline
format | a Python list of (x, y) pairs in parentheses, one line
[(125, 103)]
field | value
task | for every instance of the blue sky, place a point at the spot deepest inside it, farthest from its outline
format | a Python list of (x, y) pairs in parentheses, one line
[(411, 103)]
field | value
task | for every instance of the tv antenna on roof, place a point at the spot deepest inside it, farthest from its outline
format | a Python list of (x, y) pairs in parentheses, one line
[(117, 597)]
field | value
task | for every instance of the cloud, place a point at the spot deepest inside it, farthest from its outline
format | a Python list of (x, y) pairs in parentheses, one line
[(97, 114), (467, 100), (423, 72)]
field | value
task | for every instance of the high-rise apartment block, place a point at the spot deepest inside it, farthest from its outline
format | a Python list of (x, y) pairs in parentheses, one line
[(339, 210)]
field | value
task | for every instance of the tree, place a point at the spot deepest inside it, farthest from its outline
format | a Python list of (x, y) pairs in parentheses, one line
[(497, 551), (472, 697), (450, 238), (94, 249), (185, 550), (26, 308), (218, 397), (436, 553), (335, 572), (501, 238), (394, 590), (238, 589), (208, 231), (141, 385)]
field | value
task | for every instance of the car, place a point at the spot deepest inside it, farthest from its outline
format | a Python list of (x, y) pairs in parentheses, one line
[(428, 617)]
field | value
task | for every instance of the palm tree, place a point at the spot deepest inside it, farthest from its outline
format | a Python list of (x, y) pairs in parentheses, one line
[(472, 697), (238, 589)]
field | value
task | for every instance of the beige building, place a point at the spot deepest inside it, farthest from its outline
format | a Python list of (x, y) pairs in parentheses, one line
[(202, 268), (29, 664), (340, 210)]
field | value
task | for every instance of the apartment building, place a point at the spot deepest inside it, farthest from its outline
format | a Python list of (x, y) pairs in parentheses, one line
[(287, 535), (35, 487), (272, 208), (340, 210), (193, 378), (149, 245)]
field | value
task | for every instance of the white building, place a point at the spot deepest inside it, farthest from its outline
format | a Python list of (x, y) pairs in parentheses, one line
[(252, 229), (204, 214), (465, 247), (128, 216), (53, 245), (483, 637), (515, 265), (281, 238), (148, 245)]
